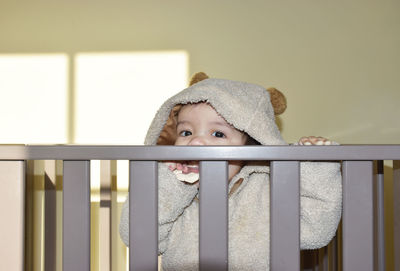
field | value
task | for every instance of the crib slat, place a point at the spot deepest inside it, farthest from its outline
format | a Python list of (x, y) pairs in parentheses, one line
[(396, 213), (143, 215), (76, 216), (213, 215), (285, 215), (50, 217), (12, 189), (358, 243), (380, 217)]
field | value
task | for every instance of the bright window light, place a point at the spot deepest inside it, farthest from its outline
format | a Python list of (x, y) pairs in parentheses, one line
[(33, 89), (95, 172), (122, 179), (118, 94)]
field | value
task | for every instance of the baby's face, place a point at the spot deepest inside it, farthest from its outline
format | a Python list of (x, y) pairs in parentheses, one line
[(199, 124)]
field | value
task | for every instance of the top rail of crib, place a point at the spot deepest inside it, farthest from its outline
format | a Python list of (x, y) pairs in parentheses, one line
[(211, 153)]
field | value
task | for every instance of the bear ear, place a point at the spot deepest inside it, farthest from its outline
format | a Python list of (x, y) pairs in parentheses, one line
[(197, 77), (278, 100)]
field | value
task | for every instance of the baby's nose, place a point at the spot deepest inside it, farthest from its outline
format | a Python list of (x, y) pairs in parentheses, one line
[(198, 140)]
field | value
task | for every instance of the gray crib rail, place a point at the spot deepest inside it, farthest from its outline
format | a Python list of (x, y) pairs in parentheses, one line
[(358, 208)]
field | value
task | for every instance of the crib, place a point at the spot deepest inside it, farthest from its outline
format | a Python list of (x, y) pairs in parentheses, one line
[(361, 239)]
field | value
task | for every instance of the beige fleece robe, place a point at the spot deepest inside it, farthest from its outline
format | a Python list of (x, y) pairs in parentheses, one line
[(247, 107)]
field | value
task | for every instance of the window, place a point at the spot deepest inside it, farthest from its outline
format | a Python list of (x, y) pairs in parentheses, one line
[(115, 95), (33, 91)]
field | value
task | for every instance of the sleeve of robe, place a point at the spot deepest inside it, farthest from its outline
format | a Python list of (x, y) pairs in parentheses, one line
[(320, 203), (174, 196)]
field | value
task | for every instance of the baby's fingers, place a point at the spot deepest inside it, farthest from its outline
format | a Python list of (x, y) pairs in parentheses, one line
[(172, 166), (178, 166)]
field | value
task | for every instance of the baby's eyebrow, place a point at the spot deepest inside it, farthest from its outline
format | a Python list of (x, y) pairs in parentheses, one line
[(221, 123), (181, 122), (218, 122)]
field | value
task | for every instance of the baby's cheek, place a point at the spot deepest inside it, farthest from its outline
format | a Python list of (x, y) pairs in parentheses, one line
[(179, 142)]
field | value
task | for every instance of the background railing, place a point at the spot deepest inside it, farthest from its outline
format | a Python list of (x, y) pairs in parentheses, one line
[(362, 217)]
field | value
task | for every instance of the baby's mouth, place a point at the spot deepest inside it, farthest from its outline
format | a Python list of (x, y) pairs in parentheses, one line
[(192, 169), (184, 167), (187, 167)]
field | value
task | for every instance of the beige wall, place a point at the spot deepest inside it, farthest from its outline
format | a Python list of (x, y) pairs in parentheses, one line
[(337, 61)]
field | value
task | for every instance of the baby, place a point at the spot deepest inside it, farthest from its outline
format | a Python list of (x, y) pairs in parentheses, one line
[(199, 124), (224, 112)]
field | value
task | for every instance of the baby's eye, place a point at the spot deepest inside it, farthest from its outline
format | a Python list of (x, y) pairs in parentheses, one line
[(218, 134), (185, 133)]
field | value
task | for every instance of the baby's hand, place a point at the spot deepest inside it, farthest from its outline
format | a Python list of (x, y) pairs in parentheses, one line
[(314, 140), (186, 169)]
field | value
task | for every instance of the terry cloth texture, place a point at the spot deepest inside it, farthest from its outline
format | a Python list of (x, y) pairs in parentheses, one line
[(246, 107)]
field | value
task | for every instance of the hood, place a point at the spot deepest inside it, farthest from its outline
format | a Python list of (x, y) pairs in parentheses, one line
[(245, 106)]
